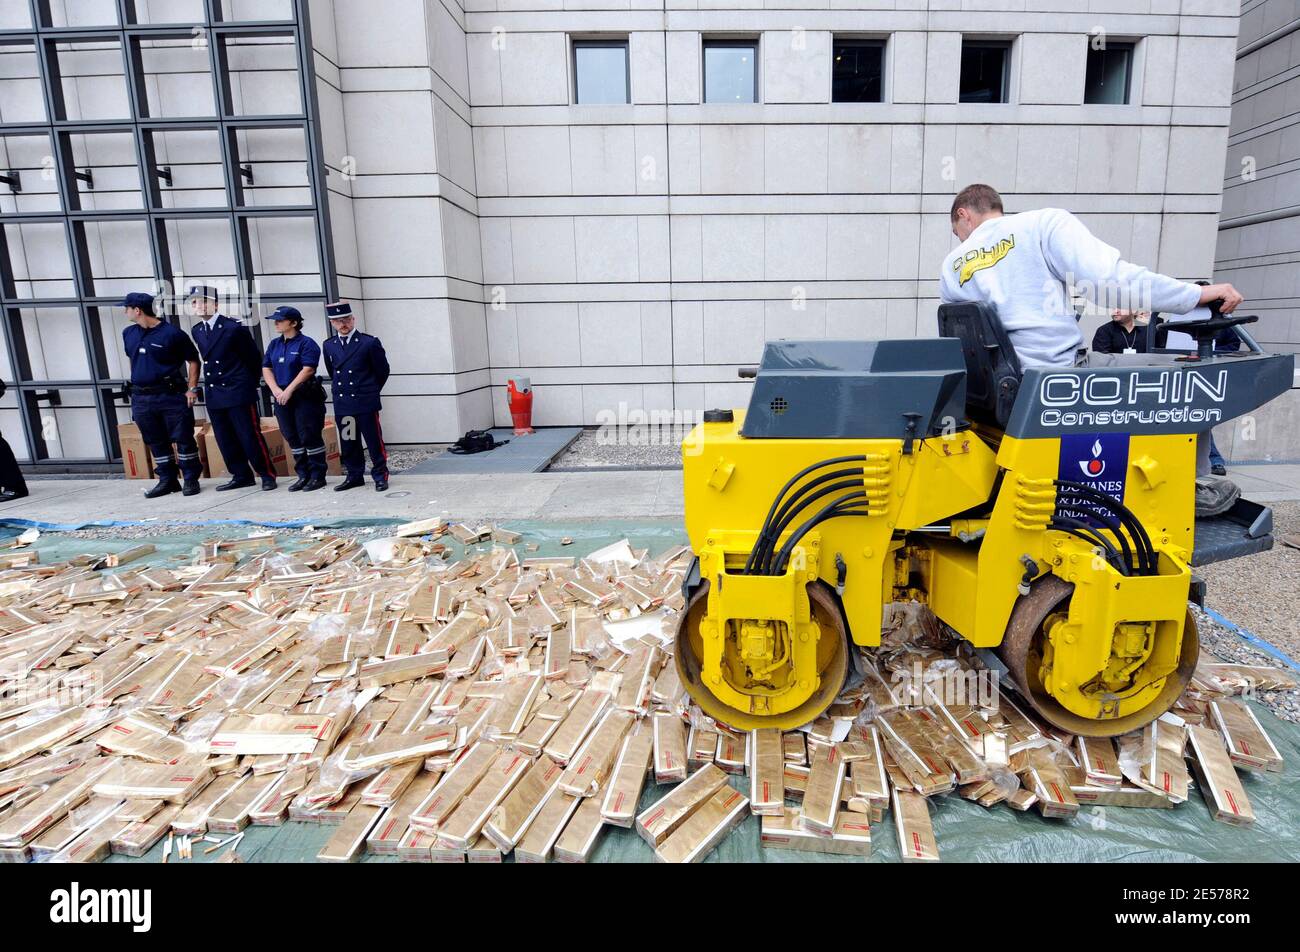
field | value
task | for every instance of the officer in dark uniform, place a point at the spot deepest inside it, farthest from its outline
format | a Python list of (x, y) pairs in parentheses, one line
[(232, 367), (163, 392), (290, 372), (12, 484), (358, 367)]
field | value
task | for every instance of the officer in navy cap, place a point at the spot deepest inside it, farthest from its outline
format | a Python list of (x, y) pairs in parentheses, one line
[(290, 372), (232, 366), (164, 387), (358, 367)]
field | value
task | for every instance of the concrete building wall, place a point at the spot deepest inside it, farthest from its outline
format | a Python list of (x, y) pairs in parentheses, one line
[(1259, 237), (644, 251)]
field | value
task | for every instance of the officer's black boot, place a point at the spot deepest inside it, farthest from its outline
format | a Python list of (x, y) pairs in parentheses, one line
[(192, 487), (236, 484), (269, 484), (300, 485), (314, 485), (165, 487), (352, 482)]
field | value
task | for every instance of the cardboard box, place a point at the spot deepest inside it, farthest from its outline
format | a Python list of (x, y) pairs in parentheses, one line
[(281, 461), (137, 461)]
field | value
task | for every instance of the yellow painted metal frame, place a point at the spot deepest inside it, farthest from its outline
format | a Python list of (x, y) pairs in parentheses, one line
[(731, 482)]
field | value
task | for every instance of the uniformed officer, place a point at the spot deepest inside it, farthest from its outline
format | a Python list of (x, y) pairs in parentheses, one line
[(232, 367), (358, 367), (164, 387), (290, 372)]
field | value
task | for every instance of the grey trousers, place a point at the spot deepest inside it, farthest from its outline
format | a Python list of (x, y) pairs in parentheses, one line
[(1090, 359)]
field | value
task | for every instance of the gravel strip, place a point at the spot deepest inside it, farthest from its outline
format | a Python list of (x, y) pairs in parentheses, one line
[(1262, 593), (595, 450)]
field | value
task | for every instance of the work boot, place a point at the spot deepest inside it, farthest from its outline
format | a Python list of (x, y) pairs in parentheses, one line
[(164, 488), (349, 483), (269, 484), (300, 485), (314, 486), (381, 484), (192, 488), (236, 484), (1218, 469), (1214, 496)]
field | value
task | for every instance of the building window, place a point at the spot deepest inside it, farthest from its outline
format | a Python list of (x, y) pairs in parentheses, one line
[(600, 72), (731, 70), (857, 71), (985, 70), (1110, 74)]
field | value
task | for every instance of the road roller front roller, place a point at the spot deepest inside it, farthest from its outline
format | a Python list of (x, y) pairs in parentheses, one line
[(1047, 514)]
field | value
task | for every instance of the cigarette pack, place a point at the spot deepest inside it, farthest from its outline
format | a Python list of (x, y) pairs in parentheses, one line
[(1165, 769), (466, 822), (389, 749), (638, 678), (595, 759), (573, 730), (539, 839), (766, 773), (512, 817), (92, 846), (1248, 745), (578, 841), (408, 668), (664, 816), (416, 847), (455, 785), (916, 843), (269, 734), (138, 838), (513, 707), (175, 783), (704, 829), (795, 748), (623, 793), (1049, 785), (702, 747), (821, 799), (867, 778), (1218, 780), (1099, 762), (484, 851), (345, 845), (1125, 795), (390, 783), (536, 735), (670, 747), (193, 817), (785, 831), (54, 840), (733, 752), (795, 780), (145, 736)]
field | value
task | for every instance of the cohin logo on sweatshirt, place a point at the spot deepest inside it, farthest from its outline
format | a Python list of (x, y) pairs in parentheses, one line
[(980, 259)]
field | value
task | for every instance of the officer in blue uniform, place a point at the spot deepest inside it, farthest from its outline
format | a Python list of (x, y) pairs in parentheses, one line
[(12, 484), (232, 367), (358, 367), (163, 392), (290, 372)]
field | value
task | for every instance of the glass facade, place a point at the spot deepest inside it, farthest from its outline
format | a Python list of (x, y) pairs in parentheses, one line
[(145, 145)]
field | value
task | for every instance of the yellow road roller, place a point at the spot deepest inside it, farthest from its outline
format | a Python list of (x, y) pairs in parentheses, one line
[(1048, 514)]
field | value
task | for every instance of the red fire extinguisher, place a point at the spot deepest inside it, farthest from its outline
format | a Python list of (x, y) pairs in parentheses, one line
[(521, 406)]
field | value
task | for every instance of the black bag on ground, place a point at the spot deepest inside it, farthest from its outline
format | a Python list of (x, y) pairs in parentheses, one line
[(475, 441)]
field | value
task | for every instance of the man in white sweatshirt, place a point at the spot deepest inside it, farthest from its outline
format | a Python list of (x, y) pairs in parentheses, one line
[(1025, 264)]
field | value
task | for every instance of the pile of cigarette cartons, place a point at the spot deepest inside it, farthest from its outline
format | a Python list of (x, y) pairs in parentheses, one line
[(441, 696)]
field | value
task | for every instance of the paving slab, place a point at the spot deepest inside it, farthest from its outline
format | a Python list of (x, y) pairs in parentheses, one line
[(521, 454)]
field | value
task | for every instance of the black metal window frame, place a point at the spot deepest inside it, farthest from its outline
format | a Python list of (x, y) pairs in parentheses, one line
[(128, 35), (1112, 46), (880, 43), (1007, 45)]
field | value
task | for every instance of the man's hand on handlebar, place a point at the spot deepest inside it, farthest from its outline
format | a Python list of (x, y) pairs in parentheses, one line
[(1227, 296)]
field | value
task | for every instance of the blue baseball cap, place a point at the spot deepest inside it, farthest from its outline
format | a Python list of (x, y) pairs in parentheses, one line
[(285, 313), (143, 301)]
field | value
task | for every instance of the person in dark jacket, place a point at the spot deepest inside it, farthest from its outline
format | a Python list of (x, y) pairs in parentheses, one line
[(358, 369), (290, 372), (164, 387), (232, 367), (12, 484), (1124, 334)]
